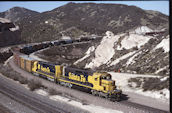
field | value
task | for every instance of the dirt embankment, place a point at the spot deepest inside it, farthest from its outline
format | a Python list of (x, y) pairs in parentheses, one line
[(65, 54), (5, 53)]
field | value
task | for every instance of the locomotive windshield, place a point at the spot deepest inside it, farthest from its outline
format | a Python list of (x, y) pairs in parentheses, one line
[(107, 77)]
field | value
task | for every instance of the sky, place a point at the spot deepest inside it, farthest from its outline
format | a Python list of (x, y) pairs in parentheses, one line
[(41, 6)]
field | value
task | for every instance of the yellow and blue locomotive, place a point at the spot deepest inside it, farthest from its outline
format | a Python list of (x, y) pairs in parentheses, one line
[(98, 83)]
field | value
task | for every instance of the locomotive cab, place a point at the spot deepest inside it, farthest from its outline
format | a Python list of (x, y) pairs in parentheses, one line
[(107, 83), (103, 85)]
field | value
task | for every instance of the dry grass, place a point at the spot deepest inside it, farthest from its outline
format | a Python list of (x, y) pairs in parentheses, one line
[(52, 91), (8, 72), (149, 84), (155, 84), (84, 102), (137, 81), (23, 80), (33, 84)]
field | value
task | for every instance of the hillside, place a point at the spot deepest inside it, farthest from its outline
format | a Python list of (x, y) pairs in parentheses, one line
[(133, 52), (75, 19), (130, 53), (125, 44), (16, 14), (9, 33)]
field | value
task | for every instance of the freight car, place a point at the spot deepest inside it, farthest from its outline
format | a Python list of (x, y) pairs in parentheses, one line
[(24, 62), (32, 48), (61, 42), (27, 50)]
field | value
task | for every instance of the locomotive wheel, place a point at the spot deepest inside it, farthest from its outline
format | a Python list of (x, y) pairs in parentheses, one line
[(70, 85), (94, 92), (104, 95), (99, 94), (118, 98), (56, 81)]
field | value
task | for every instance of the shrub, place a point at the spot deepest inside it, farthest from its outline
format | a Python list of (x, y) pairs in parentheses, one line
[(84, 102), (23, 80), (14, 77), (155, 84), (54, 92), (32, 84), (135, 80)]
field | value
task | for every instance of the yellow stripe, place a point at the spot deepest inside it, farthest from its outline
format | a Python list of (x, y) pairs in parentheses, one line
[(65, 80), (75, 83), (45, 74)]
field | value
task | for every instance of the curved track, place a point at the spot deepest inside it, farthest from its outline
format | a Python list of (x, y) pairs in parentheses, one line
[(124, 106)]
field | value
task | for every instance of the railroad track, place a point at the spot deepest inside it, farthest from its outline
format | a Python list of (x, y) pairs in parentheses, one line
[(31, 101), (146, 109), (136, 106)]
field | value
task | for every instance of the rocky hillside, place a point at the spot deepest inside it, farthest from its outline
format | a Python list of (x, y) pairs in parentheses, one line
[(9, 33), (16, 14), (75, 19), (141, 51), (133, 52)]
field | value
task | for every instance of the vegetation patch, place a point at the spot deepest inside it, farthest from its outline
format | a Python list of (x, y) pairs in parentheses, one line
[(5, 55), (135, 82), (84, 102), (33, 84), (149, 84), (52, 91), (8, 72), (155, 84), (67, 54)]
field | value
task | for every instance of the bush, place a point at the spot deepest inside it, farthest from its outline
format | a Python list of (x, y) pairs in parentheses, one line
[(149, 84), (32, 84), (14, 77), (155, 84), (136, 80), (52, 91), (23, 80), (8, 72), (84, 102)]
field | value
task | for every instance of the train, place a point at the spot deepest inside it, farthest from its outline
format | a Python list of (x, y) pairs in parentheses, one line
[(96, 83)]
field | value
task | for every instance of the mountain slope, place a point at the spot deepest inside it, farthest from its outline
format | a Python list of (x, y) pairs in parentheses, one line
[(9, 33), (16, 14), (132, 45), (75, 19), (133, 52)]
